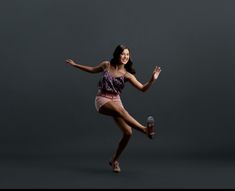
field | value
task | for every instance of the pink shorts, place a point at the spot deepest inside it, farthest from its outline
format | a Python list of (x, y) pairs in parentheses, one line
[(103, 98)]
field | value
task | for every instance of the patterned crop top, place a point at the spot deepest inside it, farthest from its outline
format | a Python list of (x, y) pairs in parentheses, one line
[(111, 84)]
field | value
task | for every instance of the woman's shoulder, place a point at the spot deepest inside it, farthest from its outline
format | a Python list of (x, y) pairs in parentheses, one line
[(128, 75), (105, 64)]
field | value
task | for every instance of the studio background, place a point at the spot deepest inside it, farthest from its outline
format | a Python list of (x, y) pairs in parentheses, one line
[(47, 107)]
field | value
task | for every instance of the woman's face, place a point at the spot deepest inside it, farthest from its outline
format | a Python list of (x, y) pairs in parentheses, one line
[(125, 56)]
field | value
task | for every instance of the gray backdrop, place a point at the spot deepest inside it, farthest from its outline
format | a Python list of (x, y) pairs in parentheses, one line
[(47, 107)]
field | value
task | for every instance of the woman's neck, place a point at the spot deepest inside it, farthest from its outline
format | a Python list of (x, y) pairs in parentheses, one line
[(119, 67)]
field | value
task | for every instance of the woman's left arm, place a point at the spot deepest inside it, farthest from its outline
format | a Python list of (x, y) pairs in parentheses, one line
[(144, 87)]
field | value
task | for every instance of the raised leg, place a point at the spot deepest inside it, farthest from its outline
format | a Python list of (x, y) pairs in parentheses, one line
[(115, 110)]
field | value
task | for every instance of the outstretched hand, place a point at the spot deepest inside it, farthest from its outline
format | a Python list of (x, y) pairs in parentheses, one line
[(71, 62), (156, 73)]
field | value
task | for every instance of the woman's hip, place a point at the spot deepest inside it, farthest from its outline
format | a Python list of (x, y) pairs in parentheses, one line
[(100, 100)]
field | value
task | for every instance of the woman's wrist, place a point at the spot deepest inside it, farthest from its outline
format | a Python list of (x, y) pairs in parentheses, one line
[(151, 80), (76, 65)]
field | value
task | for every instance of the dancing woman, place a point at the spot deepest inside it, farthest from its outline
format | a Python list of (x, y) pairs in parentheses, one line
[(115, 73)]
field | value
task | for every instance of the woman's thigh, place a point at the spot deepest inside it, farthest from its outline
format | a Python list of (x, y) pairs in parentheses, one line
[(112, 108)]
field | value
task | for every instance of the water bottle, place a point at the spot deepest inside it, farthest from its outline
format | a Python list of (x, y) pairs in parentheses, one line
[(151, 127)]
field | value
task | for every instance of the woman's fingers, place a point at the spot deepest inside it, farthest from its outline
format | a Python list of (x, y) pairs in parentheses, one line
[(68, 60), (157, 69)]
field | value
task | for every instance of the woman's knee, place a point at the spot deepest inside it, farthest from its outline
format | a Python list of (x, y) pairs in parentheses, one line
[(128, 132)]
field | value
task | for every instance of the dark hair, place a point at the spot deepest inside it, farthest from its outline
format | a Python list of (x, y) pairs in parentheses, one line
[(116, 56)]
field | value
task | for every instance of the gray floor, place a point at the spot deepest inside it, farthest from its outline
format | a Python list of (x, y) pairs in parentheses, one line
[(92, 171)]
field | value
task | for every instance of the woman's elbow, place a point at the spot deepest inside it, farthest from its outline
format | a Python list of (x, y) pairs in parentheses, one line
[(143, 89)]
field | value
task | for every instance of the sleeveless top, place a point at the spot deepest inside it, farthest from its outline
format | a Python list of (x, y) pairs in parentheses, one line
[(111, 84)]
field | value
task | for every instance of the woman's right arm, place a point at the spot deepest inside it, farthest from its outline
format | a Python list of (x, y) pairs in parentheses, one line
[(91, 69)]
